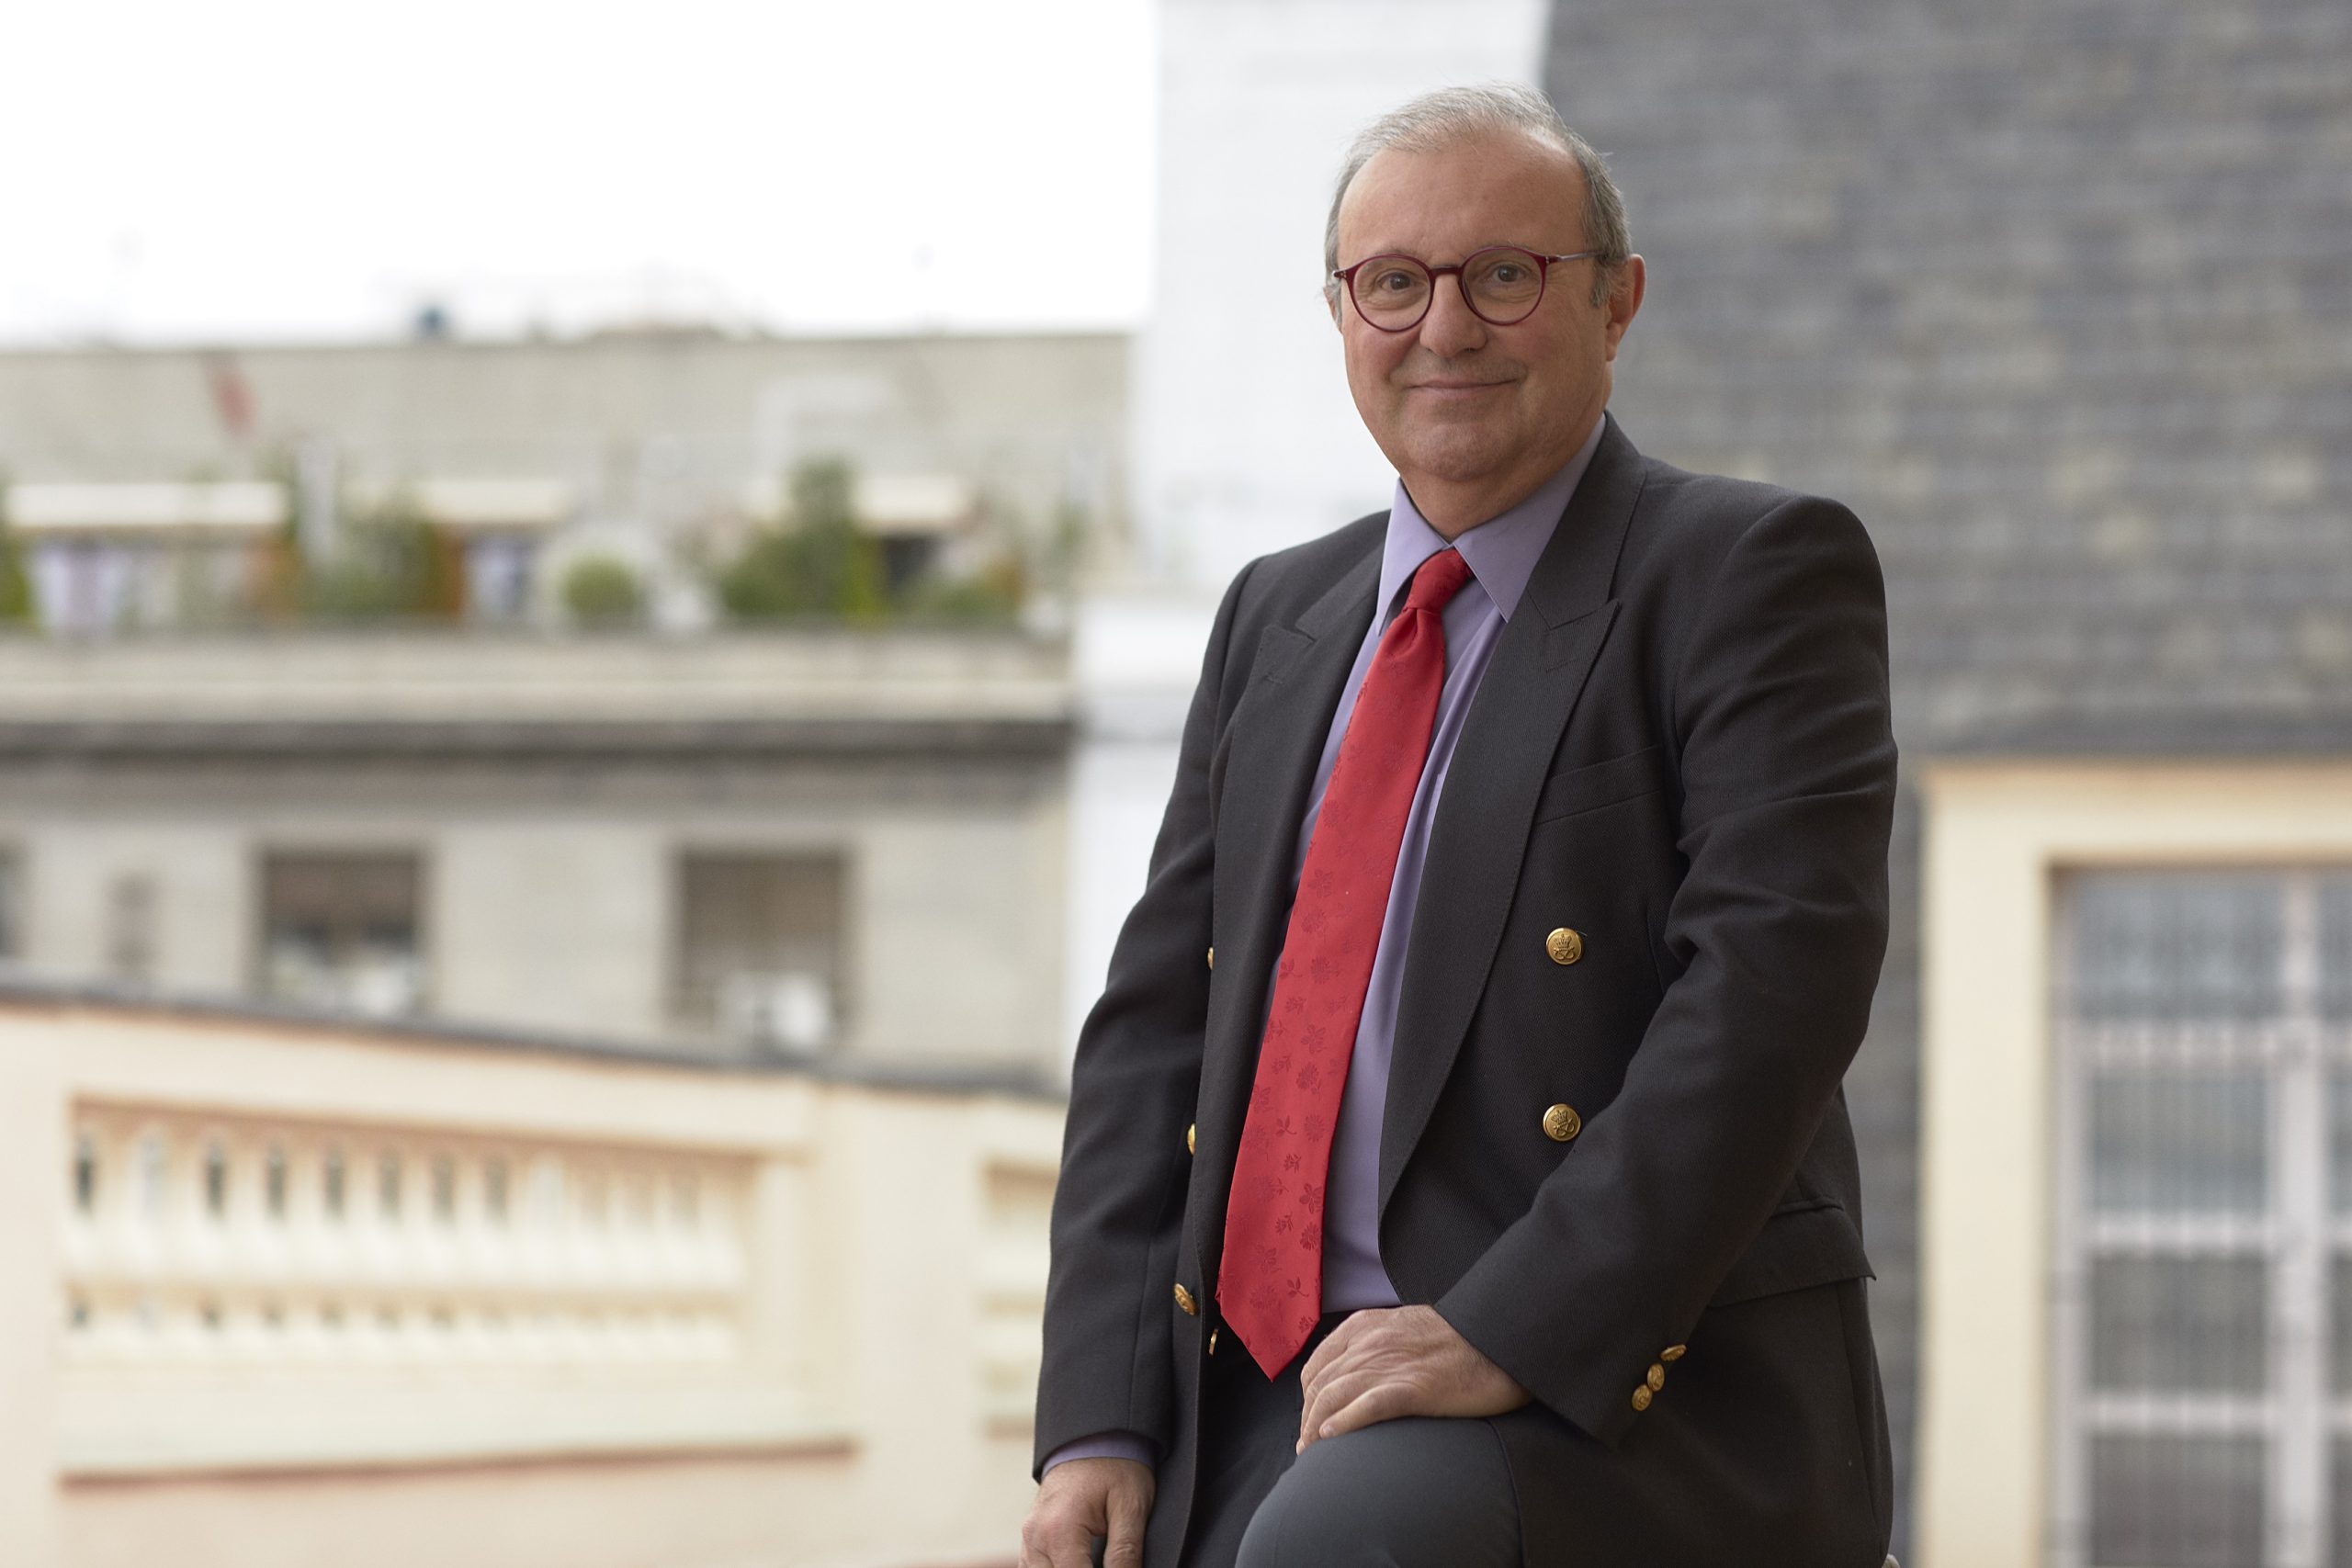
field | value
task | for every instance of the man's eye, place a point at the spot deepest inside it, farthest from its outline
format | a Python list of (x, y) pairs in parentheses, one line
[(1508, 271), (1396, 281)]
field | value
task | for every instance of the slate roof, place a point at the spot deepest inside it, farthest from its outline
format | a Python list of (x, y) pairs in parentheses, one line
[(2059, 296)]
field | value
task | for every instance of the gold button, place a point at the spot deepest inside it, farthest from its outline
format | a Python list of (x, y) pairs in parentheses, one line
[(1188, 1136), (1212, 957), (1642, 1397), (1212, 1341), (1564, 945), (1184, 1301), (1561, 1124), (1673, 1352), (1656, 1377)]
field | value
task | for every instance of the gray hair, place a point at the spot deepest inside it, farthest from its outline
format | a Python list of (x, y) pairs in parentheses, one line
[(1440, 119)]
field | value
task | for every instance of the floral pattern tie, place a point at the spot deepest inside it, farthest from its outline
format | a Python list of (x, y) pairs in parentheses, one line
[(1270, 1281)]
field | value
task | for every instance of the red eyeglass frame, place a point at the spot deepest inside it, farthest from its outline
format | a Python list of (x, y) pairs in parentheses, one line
[(1346, 276)]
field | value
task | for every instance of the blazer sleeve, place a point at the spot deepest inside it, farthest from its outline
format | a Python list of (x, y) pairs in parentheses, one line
[(1118, 1209), (1780, 709)]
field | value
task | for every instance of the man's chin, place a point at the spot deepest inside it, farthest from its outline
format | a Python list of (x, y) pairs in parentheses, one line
[(1477, 456)]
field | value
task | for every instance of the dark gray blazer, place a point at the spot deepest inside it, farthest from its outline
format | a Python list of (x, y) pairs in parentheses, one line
[(1682, 751)]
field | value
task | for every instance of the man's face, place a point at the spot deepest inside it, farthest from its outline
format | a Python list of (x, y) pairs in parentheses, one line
[(1473, 415)]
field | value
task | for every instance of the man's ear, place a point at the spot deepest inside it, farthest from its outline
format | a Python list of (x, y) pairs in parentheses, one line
[(1626, 291)]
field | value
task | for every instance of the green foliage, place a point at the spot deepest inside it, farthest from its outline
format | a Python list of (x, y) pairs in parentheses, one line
[(392, 565), (816, 564), (16, 584), (990, 595), (602, 592)]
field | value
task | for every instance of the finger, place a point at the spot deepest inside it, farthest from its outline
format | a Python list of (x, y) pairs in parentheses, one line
[(1338, 1391), (1058, 1539), (1071, 1548), (1335, 1345), (1337, 1352), (1313, 1398), (1382, 1402), (1129, 1509)]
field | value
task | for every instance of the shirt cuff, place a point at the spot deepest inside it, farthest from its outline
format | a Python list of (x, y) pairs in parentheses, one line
[(1106, 1445)]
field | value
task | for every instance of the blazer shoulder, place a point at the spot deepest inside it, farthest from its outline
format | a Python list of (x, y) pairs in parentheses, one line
[(1276, 588), (1689, 523)]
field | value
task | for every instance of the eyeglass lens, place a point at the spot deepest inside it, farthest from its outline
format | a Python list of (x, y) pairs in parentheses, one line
[(1502, 286)]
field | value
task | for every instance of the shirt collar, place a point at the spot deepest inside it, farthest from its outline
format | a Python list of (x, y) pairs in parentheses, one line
[(1501, 551)]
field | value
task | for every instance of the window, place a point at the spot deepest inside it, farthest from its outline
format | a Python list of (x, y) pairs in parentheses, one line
[(2204, 1270), (759, 957), (131, 930), (498, 576), (340, 930), (12, 907)]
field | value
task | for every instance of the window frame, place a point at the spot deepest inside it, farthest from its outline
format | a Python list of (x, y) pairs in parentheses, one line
[(2297, 1415), (1996, 834), (843, 995), (418, 855)]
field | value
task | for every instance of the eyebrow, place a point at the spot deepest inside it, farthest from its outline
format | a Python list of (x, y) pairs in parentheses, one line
[(1481, 245)]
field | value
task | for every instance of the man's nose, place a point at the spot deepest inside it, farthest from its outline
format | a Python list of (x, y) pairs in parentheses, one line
[(1450, 326)]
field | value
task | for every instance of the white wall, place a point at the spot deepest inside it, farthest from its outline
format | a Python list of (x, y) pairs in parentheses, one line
[(1245, 440)]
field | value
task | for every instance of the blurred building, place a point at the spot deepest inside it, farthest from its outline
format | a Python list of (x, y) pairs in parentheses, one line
[(489, 1081), (2060, 300), (738, 842), (678, 830), (142, 482)]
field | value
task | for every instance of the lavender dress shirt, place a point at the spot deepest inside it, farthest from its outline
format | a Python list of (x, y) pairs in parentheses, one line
[(1502, 553)]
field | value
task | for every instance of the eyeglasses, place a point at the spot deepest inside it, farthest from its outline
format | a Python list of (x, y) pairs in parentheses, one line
[(1502, 285)]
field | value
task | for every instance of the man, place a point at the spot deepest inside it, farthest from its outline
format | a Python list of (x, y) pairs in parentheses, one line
[(1457, 1172)]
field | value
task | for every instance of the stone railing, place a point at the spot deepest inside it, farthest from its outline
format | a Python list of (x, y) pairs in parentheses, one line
[(259, 1269)]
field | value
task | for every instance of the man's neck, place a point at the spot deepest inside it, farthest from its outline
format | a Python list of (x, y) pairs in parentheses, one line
[(1454, 509)]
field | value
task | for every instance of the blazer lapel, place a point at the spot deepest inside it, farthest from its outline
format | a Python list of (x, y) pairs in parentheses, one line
[(1480, 831), (1272, 745)]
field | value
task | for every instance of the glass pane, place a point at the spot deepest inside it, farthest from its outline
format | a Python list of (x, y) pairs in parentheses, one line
[(2339, 1303), (2179, 1142), (2340, 1510), (2177, 1502), (760, 946), (340, 930), (2335, 949), (2190, 1324), (2176, 947), (2339, 1141)]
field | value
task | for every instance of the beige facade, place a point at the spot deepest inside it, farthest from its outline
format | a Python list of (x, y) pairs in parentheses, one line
[(547, 800), (288, 1295), (2000, 836)]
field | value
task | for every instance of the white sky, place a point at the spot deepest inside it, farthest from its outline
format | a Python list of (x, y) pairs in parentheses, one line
[(262, 170)]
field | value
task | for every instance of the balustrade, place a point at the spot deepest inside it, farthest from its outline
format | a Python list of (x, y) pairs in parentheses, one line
[(279, 1253)]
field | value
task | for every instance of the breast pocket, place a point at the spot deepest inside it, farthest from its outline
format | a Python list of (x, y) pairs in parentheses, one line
[(1595, 784)]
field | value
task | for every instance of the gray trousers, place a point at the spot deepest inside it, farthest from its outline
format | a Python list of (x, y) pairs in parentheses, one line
[(1417, 1493)]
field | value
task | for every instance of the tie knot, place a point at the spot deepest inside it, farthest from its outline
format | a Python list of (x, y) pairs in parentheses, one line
[(1439, 580)]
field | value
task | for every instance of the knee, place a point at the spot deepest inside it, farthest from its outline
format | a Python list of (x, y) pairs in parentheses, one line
[(1374, 1499)]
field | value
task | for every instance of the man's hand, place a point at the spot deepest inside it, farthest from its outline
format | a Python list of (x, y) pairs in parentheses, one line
[(1079, 1499), (1390, 1362)]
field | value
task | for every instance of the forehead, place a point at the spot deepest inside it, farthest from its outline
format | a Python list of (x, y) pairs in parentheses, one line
[(1502, 188)]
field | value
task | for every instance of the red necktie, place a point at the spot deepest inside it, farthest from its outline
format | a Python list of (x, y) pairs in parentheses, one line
[(1270, 1283)]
